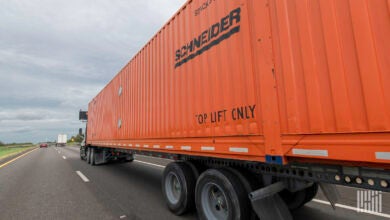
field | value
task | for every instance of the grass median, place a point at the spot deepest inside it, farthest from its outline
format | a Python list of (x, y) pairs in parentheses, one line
[(11, 150)]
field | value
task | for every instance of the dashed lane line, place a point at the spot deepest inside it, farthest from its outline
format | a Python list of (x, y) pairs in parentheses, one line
[(64, 157), (82, 176), (160, 158), (6, 163), (152, 164)]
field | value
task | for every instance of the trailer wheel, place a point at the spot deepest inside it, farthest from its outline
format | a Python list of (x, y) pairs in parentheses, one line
[(250, 184), (92, 160), (295, 200), (88, 155), (219, 194), (311, 192), (82, 153), (178, 186), (197, 168), (128, 158)]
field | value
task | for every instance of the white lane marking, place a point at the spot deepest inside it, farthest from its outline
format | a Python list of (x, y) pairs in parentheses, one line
[(122, 216), (152, 164), (137, 145), (207, 148), (160, 158), (169, 147), (64, 157), (6, 163), (146, 146), (382, 155), (352, 208), (81, 175), (238, 149), (59, 151), (186, 147), (308, 152), (156, 146)]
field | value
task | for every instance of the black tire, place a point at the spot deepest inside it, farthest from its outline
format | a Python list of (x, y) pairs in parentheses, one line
[(88, 155), (92, 160), (311, 192), (183, 200), (82, 153), (194, 168), (250, 183), (232, 200), (295, 200), (124, 160), (127, 160)]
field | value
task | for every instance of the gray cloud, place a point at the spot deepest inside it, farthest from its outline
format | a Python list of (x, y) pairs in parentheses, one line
[(55, 56), (22, 116)]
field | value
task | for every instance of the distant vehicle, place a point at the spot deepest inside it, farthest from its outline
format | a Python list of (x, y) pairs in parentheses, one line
[(61, 140), (43, 145)]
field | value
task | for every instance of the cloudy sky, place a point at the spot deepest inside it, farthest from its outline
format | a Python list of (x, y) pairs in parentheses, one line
[(56, 55)]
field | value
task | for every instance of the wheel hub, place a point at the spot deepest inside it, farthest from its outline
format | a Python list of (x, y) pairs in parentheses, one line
[(214, 202), (173, 188)]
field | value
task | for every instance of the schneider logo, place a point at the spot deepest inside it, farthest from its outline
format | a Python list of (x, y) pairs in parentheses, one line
[(215, 34)]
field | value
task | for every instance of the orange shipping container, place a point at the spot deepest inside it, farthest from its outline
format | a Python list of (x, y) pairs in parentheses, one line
[(260, 80)]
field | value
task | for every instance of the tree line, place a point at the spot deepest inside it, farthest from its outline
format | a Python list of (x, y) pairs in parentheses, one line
[(77, 138), (4, 144)]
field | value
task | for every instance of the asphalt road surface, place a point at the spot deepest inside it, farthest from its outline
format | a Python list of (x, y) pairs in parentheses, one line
[(54, 183)]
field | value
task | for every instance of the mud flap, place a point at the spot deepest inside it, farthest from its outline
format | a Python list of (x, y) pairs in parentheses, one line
[(331, 193), (267, 203)]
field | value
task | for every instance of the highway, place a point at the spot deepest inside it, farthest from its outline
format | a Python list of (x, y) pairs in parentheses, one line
[(53, 183)]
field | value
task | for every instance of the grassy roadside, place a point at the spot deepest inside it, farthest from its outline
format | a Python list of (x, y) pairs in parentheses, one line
[(7, 151)]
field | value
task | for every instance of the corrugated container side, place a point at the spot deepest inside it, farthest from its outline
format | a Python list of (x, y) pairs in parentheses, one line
[(332, 65), (305, 75), (164, 100)]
